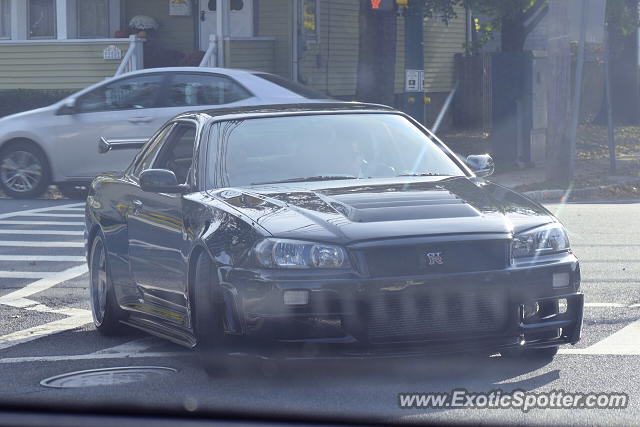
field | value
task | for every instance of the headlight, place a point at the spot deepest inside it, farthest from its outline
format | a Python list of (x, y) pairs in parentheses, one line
[(540, 241), (281, 253)]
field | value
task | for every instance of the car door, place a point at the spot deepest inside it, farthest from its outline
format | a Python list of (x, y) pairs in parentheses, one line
[(157, 236), (188, 91), (121, 110)]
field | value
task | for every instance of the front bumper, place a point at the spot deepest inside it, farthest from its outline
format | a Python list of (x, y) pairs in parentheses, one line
[(391, 317)]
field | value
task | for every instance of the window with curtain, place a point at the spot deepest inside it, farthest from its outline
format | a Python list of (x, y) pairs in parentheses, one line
[(5, 19), (42, 19), (93, 18)]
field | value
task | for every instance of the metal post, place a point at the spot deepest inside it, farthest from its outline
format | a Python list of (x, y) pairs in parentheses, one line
[(577, 93), (295, 26), (414, 60), (607, 85)]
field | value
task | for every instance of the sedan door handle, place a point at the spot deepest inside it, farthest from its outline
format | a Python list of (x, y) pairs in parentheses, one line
[(140, 119), (137, 205)]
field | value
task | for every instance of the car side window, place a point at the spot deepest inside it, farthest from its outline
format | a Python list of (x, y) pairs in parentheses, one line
[(124, 94), (204, 89), (150, 152), (177, 153)]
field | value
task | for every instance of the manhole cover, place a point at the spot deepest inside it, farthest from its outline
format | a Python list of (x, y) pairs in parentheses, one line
[(106, 376)]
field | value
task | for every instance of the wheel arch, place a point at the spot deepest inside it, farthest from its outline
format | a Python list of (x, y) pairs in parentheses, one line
[(26, 140)]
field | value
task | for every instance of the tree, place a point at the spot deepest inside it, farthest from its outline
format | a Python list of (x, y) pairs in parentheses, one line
[(377, 45), (515, 19)]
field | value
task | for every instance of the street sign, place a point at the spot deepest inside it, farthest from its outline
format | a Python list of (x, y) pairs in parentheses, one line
[(414, 80)]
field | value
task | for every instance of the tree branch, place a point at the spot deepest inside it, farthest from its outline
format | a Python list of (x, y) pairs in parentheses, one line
[(539, 4)]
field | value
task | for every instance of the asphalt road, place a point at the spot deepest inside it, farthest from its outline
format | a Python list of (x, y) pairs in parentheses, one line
[(45, 330)]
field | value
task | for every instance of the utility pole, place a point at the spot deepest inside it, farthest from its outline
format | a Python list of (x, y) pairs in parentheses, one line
[(577, 88), (607, 85), (559, 153), (412, 99)]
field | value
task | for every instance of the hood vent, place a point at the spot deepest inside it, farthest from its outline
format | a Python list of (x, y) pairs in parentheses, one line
[(399, 206)]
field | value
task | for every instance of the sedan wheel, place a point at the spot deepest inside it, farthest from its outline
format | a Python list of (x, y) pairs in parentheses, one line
[(24, 172), (106, 314)]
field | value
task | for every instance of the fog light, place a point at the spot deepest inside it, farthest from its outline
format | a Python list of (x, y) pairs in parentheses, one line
[(296, 297), (560, 280), (562, 306), (530, 309)]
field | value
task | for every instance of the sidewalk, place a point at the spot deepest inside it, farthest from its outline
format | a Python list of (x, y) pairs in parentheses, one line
[(518, 177)]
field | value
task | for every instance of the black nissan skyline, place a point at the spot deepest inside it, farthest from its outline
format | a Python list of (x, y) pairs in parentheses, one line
[(324, 230)]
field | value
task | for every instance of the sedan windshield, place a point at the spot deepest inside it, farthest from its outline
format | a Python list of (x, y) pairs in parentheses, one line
[(322, 147)]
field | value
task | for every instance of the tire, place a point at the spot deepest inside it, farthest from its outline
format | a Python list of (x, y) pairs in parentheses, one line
[(24, 171), (73, 191), (545, 354), (104, 308), (212, 342)]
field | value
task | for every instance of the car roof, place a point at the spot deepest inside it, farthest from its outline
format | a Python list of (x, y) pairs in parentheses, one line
[(307, 107)]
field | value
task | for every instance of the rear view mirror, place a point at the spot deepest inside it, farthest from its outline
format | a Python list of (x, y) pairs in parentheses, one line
[(69, 107), (481, 164), (161, 181)]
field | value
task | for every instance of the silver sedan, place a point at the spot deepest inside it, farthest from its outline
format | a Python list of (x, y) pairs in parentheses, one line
[(58, 144)]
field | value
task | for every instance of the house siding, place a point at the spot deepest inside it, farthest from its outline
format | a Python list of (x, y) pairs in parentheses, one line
[(175, 32), (50, 65), (274, 20), (252, 54), (331, 63)]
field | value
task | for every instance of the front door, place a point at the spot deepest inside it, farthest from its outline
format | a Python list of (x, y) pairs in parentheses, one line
[(122, 110), (240, 19), (156, 231)]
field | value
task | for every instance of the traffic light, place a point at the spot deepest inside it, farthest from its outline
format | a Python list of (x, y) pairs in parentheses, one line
[(382, 5)]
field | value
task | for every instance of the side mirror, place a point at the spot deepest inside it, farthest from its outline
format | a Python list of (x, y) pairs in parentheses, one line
[(161, 181), (481, 164), (69, 107)]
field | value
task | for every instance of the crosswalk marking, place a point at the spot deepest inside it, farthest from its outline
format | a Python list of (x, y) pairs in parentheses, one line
[(25, 274), (5, 222), (30, 334), (625, 342), (44, 232), (54, 215), (43, 258), (18, 297), (41, 244), (45, 209)]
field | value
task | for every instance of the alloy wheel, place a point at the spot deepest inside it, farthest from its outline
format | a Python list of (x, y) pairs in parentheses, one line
[(21, 171), (98, 283)]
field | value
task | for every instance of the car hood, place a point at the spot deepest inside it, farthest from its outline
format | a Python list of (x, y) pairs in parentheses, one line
[(30, 114), (351, 211)]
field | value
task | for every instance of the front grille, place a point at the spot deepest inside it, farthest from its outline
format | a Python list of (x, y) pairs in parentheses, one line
[(411, 315), (437, 258)]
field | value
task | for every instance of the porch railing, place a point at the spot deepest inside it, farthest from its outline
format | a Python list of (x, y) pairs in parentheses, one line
[(134, 59), (210, 58)]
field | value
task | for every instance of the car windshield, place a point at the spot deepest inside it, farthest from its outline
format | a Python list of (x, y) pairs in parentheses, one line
[(320, 147)]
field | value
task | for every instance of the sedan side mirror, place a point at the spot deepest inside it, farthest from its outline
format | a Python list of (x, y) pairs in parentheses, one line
[(161, 181), (69, 107), (481, 164)]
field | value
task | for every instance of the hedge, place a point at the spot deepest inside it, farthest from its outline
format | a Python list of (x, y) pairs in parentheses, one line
[(16, 100)]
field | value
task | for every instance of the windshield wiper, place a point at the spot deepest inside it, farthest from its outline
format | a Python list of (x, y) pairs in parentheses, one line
[(308, 178), (423, 174)]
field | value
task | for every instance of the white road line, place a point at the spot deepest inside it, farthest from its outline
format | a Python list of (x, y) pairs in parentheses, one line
[(30, 334), (43, 232), (5, 222), (93, 356), (45, 209), (605, 304), (43, 258), (135, 346), (55, 215), (25, 274), (41, 244), (625, 342), (18, 297)]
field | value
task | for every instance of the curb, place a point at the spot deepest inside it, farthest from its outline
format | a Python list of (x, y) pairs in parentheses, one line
[(563, 195)]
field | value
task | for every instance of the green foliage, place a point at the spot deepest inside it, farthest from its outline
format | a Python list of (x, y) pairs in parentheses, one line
[(622, 15), (17, 100)]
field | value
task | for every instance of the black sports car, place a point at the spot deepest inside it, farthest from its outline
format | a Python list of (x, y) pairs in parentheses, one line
[(324, 230)]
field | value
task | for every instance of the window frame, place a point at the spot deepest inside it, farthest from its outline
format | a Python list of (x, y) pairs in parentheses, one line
[(167, 144), (148, 148), (107, 22), (55, 23), (9, 28)]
